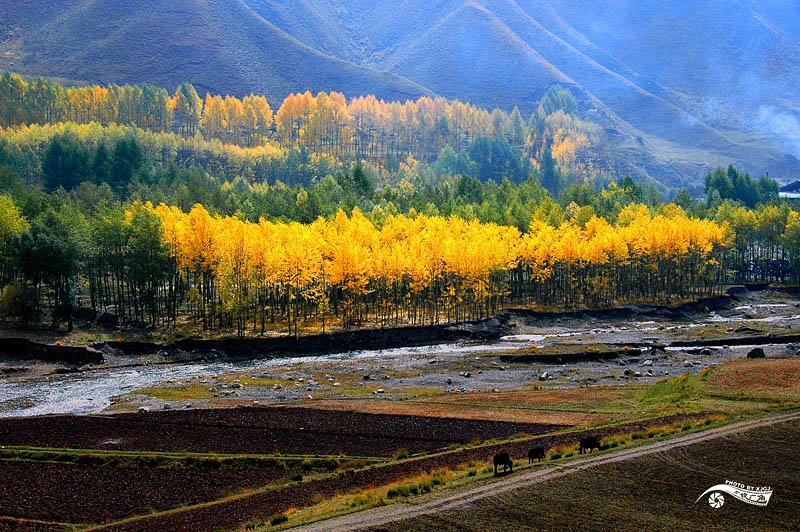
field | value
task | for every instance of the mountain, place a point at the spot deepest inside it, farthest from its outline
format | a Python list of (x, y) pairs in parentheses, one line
[(221, 46), (679, 85)]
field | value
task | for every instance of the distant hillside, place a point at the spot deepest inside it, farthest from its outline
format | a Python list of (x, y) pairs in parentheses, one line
[(219, 45), (679, 85)]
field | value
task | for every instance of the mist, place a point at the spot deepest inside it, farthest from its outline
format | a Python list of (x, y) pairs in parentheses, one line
[(783, 125)]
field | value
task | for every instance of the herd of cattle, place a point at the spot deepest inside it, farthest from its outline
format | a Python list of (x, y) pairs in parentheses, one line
[(588, 444)]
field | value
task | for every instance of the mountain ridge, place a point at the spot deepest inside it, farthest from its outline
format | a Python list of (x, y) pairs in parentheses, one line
[(679, 86)]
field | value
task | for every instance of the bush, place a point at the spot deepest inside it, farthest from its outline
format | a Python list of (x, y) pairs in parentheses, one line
[(278, 520), (555, 456), (472, 473), (425, 486), (400, 454), (298, 477), (16, 302)]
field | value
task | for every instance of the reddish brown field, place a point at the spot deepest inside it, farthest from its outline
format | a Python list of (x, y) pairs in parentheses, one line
[(768, 377), (575, 399), (268, 430), (230, 514), (74, 493), (10, 525), (100, 493), (457, 410)]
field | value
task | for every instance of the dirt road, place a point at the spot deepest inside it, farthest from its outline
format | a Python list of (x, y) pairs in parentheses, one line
[(453, 499)]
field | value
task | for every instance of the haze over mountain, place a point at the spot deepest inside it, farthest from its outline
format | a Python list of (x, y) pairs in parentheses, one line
[(679, 85)]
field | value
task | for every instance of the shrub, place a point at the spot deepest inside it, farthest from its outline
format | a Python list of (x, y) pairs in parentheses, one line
[(278, 519), (425, 486), (16, 302), (472, 473), (351, 464), (400, 454), (297, 477), (555, 456)]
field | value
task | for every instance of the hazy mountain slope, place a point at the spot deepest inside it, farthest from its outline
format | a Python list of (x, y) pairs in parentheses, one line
[(696, 45), (479, 60), (631, 61), (318, 28), (679, 85), (219, 45)]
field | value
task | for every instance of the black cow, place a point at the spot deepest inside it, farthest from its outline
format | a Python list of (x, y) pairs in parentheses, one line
[(502, 459), (537, 453), (589, 443)]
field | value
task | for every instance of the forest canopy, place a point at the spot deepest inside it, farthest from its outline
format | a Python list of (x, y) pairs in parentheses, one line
[(165, 208)]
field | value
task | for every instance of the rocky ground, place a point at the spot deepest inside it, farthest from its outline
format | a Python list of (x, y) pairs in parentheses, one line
[(632, 345)]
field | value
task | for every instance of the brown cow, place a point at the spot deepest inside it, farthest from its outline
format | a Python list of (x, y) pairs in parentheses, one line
[(537, 453), (502, 459), (590, 443)]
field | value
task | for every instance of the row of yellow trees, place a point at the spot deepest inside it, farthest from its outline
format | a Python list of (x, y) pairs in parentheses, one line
[(422, 269), (366, 127)]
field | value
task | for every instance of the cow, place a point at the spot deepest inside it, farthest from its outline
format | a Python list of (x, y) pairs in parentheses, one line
[(590, 443), (502, 459), (537, 453)]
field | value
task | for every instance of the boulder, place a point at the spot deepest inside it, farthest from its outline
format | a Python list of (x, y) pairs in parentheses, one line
[(756, 352), (108, 320)]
